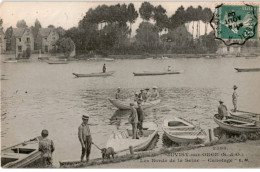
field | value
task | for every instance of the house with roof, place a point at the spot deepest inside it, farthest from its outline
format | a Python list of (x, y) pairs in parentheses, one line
[(228, 50), (22, 38), (46, 39), (2, 41)]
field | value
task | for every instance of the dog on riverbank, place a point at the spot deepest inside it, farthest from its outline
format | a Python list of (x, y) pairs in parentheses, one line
[(107, 152)]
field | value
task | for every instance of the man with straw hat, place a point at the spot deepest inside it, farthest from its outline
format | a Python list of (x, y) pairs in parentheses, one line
[(222, 110), (234, 98), (85, 138)]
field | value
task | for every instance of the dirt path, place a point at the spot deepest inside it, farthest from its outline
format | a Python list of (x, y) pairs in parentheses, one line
[(235, 155)]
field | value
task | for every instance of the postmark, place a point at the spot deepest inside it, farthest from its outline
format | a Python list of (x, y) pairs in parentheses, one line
[(235, 24)]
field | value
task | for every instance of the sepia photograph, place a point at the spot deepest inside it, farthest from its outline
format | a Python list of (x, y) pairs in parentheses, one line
[(130, 84)]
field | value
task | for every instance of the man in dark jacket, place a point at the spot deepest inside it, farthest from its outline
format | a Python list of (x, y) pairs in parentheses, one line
[(140, 114)]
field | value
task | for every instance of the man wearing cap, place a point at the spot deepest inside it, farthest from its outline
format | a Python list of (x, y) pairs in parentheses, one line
[(147, 93), (46, 147), (155, 94), (140, 114), (85, 138), (118, 96), (222, 110), (136, 96), (234, 98), (142, 96), (133, 119)]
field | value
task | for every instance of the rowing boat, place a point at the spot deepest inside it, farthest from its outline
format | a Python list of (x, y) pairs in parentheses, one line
[(10, 61), (157, 73), (247, 69), (57, 62), (21, 155), (125, 105), (236, 125), (179, 131), (95, 74), (245, 115), (121, 139)]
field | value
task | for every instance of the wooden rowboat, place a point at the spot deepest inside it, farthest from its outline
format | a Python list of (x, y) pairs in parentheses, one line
[(235, 125), (125, 105), (247, 69), (243, 115), (57, 62), (121, 139), (181, 131), (21, 155), (95, 74), (10, 61), (158, 73)]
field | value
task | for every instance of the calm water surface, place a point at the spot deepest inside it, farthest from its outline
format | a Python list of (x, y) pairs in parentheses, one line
[(36, 96)]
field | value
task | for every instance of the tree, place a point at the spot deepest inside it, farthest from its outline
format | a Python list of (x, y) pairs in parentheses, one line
[(35, 30), (146, 11), (160, 18), (21, 24), (141, 35), (8, 36), (67, 46), (61, 31), (131, 15), (51, 26)]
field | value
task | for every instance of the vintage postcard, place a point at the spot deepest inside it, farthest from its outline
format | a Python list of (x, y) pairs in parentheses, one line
[(130, 84)]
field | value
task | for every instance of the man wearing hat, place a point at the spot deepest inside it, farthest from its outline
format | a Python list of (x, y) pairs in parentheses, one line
[(85, 138), (46, 147), (222, 110), (142, 96), (133, 119), (136, 96), (234, 98), (155, 94), (118, 96)]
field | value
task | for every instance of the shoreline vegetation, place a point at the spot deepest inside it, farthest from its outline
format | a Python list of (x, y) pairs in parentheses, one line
[(225, 141)]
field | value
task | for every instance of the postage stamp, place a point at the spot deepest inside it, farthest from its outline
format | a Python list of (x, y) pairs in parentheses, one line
[(235, 24)]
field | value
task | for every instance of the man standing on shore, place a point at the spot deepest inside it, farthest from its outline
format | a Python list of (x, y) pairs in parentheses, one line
[(140, 114), (46, 147), (133, 119), (118, 96), (222, 110), (234, 98), (104, 68), (85, 138)]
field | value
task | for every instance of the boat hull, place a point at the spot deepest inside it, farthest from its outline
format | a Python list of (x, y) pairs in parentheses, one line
[(157, 73), (248, 69), (21, 155), (238, 129), (125, 105), (95, 74), (184, 132), (121, 145)]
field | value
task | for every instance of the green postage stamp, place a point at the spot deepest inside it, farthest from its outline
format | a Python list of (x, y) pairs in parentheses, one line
[(235, 24)]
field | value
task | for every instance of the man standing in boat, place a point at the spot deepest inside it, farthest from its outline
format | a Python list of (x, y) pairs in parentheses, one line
[(104, 68), (222, 110), (140, 114), (46, 147), (85, 138), (234, 98), (133, 119)]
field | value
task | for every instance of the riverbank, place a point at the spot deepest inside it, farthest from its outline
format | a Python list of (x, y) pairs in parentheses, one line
[(235, 155)]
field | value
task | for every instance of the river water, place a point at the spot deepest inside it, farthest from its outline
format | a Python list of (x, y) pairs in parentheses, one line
[(36, 96)]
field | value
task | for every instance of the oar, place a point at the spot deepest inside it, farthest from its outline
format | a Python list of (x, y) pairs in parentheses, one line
[(96, 145)]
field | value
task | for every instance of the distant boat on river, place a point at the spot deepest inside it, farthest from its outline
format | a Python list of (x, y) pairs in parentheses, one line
[(101, 74), (247, 69), (57, 61), (158, 73), (10, 61)]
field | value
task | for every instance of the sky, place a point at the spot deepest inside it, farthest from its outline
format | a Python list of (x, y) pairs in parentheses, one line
[(68, 14)]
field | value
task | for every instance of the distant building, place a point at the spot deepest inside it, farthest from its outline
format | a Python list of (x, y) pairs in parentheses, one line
[(225, 50), (22, 38), (46, 39), (2, 41)]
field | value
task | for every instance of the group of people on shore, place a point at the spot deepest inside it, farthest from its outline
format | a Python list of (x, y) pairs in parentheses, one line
[(222, 109)]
